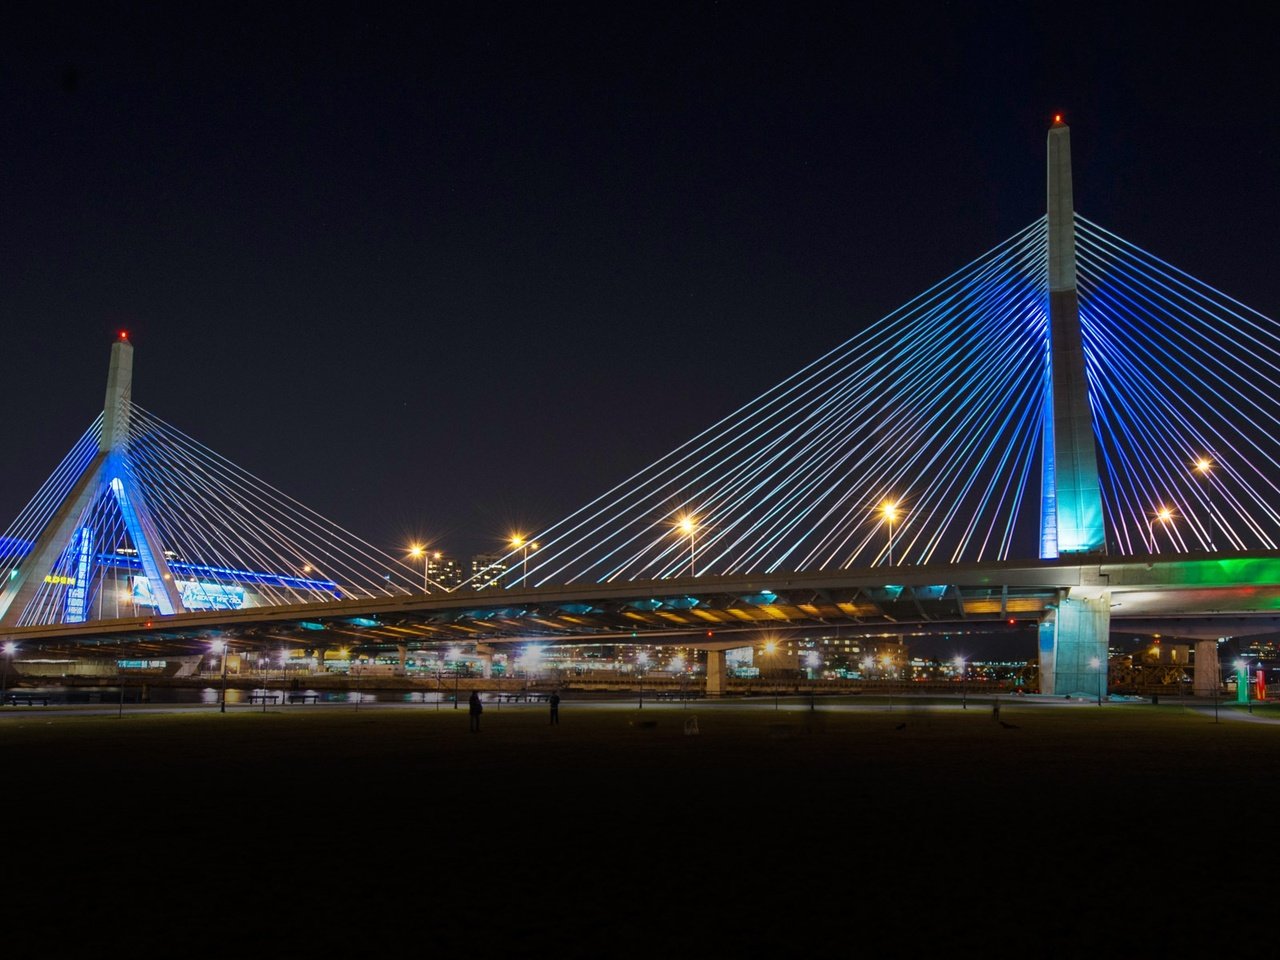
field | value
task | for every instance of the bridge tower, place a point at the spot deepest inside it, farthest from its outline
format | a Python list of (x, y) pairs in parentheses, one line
[(67, 536), (1073, 640)]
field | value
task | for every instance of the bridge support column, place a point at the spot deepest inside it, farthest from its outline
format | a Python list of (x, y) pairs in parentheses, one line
[(1079, 655), (1048, 644), (403, 650), (717, 669), (1208, 673)]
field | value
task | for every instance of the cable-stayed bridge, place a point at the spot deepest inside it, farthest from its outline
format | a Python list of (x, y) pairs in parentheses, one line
[(1067, 430)]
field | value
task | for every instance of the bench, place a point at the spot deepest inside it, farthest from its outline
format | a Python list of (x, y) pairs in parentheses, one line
[(30, 699), (264, 698), (304, 698)]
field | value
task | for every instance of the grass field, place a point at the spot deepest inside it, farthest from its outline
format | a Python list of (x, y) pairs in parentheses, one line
[(767, 825)]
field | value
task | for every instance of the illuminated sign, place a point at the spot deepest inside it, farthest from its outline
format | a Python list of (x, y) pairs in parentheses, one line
[(195, 594), (61, 581)]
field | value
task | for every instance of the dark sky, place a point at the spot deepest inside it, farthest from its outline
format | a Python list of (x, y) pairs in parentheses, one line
[(445, 272)]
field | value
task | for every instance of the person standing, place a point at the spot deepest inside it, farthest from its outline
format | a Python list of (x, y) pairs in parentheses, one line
[(555, 708), (476, 708)]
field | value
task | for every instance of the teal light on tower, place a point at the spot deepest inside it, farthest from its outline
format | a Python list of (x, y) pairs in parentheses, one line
[(1074, 633), (1071, 493)]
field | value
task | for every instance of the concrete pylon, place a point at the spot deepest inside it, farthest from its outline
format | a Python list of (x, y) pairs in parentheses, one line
[(1074, 640), (1073, 495), (107, 471)]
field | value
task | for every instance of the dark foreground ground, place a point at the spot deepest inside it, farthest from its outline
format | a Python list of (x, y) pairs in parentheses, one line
[(889, 830)]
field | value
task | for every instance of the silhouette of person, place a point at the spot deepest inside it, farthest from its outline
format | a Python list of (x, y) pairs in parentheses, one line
[(476, 708), (555, 709)]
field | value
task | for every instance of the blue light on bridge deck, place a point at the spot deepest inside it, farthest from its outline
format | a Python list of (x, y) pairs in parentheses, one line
[(364, 622), (308, 625), (763, 598)]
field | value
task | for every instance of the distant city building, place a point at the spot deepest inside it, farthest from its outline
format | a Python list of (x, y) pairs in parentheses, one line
[(487, 569), (1254, 649), (445, 570), (846, 656)]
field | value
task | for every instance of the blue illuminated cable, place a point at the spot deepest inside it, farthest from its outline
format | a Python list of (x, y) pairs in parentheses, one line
[(692, 447)]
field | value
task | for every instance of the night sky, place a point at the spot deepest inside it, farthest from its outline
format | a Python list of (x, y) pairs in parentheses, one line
[(443, 273)]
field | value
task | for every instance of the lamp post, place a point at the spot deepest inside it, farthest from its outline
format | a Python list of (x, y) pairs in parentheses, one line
[(1096, 664), (770, 649), (455, 653), (416, 551), (688, 526), (890, 510), (641, 660), (1164, 515), (9, 649), (676, 666), (518, 542), (964, 687), (886, 662), (223, 646), (1204, 466), (813, 660)]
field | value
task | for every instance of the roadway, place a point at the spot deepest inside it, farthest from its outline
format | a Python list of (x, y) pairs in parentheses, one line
[(1190, 595)]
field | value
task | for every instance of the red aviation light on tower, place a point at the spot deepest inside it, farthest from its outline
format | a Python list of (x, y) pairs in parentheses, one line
[(124, 336), (1057, 118)]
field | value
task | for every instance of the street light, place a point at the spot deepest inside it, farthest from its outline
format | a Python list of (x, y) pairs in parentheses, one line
[(518, 542), (264, 664), (688, 526), (455, 653), (676, 666), (1096, 664), (9, 649), (642, 660), (416, 551), (813, 661), (886, 661), (1204, 466), (222, 646), (890, 510), (964, 687), (1164, 515), (770, 647)]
